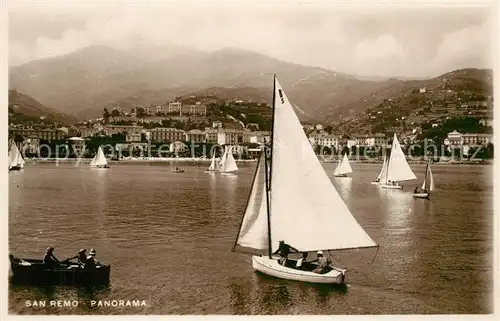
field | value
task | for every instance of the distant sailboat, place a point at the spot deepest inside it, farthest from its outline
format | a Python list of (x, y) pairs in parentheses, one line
[(382, 172), (214, 165), (16, 161), (99, 160), (227, 163), (344, 168), (427, 185), (398, 169), (292, 199)]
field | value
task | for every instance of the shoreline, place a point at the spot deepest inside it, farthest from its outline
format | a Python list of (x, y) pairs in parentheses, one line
[(196, 160)]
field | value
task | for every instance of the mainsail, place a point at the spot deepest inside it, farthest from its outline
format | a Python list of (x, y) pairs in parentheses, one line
[(229, 164), (305, 209), (99, 159), (398, 169), (214, 166), (383, 172), (15, 157), (344, 166), (428, 183)]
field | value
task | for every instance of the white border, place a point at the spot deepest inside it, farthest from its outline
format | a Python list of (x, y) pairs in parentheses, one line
[(379, 3)]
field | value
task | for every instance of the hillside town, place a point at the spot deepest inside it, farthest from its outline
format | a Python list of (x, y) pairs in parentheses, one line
[(184, 125)]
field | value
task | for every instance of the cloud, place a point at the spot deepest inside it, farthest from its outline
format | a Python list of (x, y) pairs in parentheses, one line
[(366, 42), (464, 48)]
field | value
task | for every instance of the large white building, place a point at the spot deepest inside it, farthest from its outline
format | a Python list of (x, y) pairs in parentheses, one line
[(468, 139)]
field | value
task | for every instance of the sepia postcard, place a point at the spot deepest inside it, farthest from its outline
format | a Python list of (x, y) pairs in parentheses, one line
[(249, 158)]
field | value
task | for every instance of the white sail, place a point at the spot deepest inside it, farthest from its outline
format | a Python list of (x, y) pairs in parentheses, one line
[(222, 163), (431, 180), (398, 169), (213, 165), (428, 183), (99, 159), (15, 157), (306, 210), (383, 172), (344, 166), (229, 164), (253, 231)]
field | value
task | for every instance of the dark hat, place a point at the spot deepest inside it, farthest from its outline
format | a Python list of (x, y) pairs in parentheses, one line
[(50, 249)]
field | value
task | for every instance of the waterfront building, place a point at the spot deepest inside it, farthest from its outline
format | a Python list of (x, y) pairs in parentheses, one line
[(177, 146), (40, 133), (196, 136), (467, 139), (161, 134)]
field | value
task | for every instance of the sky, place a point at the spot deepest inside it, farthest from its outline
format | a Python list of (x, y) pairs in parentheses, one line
[(365, 39)]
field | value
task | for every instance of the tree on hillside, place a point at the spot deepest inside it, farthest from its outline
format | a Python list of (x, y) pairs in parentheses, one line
[(140, 112), (115, 113), (105, 115)]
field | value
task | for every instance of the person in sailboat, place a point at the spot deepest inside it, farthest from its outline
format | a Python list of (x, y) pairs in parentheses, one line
[(284, 250), (323, 264), (49, 259), (301, 262)]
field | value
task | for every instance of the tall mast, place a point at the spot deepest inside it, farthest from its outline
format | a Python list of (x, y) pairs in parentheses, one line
[(269, 177), (427, 172)]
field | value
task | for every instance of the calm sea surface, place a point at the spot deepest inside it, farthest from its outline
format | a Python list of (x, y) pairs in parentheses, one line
[(168, 238)]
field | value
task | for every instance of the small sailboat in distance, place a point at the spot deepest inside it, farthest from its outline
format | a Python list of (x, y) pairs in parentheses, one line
[(293, 200), (214, 165), (16, 161), (343, 168), (398, 169), (382, 173), (228, 164), (427, 185), (99, 160)]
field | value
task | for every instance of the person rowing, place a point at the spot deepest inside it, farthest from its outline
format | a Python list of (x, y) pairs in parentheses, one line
[(81, 257), (49, 259)]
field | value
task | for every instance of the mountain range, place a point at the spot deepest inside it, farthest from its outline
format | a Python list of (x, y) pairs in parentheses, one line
[(83, 82)]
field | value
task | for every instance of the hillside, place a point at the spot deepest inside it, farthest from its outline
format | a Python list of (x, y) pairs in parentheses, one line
[(24, 109), (465, 92), (84, 82)]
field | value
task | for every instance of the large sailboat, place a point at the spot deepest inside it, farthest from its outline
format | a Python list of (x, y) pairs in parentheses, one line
[(228, 164), (214, 165), (343, 168), (382, 173), (427, 185), (293, 200), (398, 169), (99, 160), (16, 161)]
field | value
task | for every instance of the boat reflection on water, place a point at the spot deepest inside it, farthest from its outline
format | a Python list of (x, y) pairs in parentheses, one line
[(264, 294), (344, 186)]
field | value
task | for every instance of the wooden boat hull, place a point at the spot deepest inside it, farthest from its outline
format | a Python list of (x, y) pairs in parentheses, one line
[(177, 171), (229, 174), (100, 166), (273, 268), (29, 271), (15, 168), (391, 186), (375, 183), (340, 175), (421, 195)]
